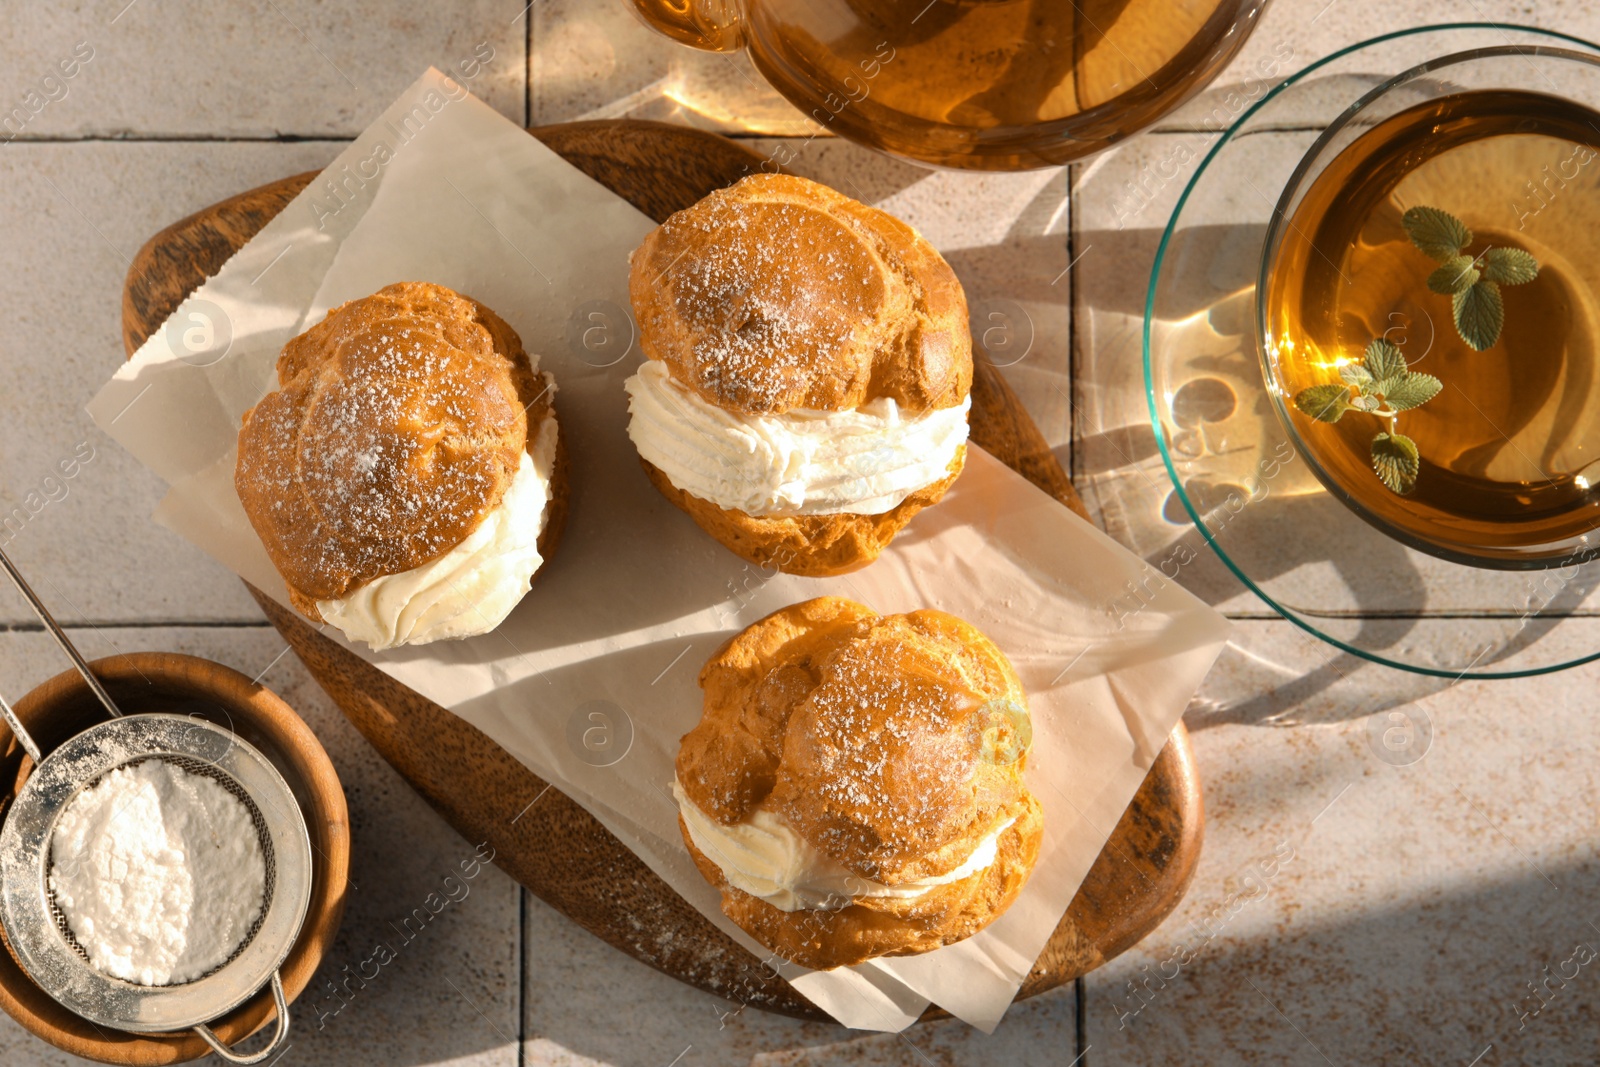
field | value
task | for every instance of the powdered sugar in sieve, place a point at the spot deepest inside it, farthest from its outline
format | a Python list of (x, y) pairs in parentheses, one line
[(245, 874)]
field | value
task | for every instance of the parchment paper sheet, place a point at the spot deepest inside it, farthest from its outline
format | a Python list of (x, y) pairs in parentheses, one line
[(441, 188)]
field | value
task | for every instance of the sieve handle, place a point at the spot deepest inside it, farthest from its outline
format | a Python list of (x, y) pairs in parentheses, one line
[(61, 639), (28, 744), (272, 1046)]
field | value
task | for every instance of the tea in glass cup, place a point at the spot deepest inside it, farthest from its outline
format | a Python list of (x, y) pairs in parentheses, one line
[(1430, 322), (980, 84)]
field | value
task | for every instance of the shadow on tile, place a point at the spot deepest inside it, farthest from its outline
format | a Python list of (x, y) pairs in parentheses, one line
[(1262, 504), (587, 1005), (1507, 972)]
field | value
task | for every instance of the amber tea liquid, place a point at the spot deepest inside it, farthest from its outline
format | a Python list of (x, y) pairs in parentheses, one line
[(1511, 446), (979, 83)]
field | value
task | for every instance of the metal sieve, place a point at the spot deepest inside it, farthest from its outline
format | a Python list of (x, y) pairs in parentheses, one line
[(37, 931)]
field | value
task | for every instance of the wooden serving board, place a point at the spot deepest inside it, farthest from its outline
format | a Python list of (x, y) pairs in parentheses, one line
[(557, 849)]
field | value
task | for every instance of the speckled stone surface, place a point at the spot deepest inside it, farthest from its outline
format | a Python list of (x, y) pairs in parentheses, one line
[(258, 69), (1397, 869), (1383, 890)]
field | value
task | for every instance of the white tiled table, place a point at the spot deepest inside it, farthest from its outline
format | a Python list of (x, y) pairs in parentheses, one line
[(1346, 911)]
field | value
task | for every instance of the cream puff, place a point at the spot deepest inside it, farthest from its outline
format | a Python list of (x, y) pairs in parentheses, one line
[(407, 477), (808, 375), (854, 786)]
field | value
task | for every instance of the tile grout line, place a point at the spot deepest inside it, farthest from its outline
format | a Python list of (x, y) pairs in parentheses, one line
[(307, 138), (522, 968), (527, 109), (139, 624), (1257, 615), (182, 138), (1241, 615), (1072, 325), (1080, 1020)]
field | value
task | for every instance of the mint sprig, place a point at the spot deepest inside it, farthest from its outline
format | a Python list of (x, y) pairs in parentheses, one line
[(1382, 385), (1472, 282)]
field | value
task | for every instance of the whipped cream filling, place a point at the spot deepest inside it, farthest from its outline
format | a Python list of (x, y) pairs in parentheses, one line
[(766, 858), (802, 462), (469, 589)]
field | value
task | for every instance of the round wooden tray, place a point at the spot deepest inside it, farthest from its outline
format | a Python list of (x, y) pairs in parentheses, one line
[(554, 847)]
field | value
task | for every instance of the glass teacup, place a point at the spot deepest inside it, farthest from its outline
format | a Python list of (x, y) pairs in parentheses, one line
[(1493, 151), (977, 84)]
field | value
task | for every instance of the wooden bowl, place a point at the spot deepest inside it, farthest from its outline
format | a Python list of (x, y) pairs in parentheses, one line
[(185, 685)]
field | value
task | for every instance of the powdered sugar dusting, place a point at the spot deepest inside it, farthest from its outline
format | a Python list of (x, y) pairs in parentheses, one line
[(908, 791), (397, 428), (773, 292), (159, 873)]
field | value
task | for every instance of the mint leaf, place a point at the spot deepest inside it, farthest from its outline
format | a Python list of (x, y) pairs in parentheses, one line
[(1479, 314), (1412, 391), (1384, 360), (1396, 461), (1357, 377), (1325, 403), (1438, 233), (1455, 274), (1508, 266)]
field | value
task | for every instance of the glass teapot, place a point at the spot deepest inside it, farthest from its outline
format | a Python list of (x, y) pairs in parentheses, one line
[(977, 84)]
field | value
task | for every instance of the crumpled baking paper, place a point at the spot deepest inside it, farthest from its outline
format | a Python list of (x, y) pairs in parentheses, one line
[(592, 680)]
